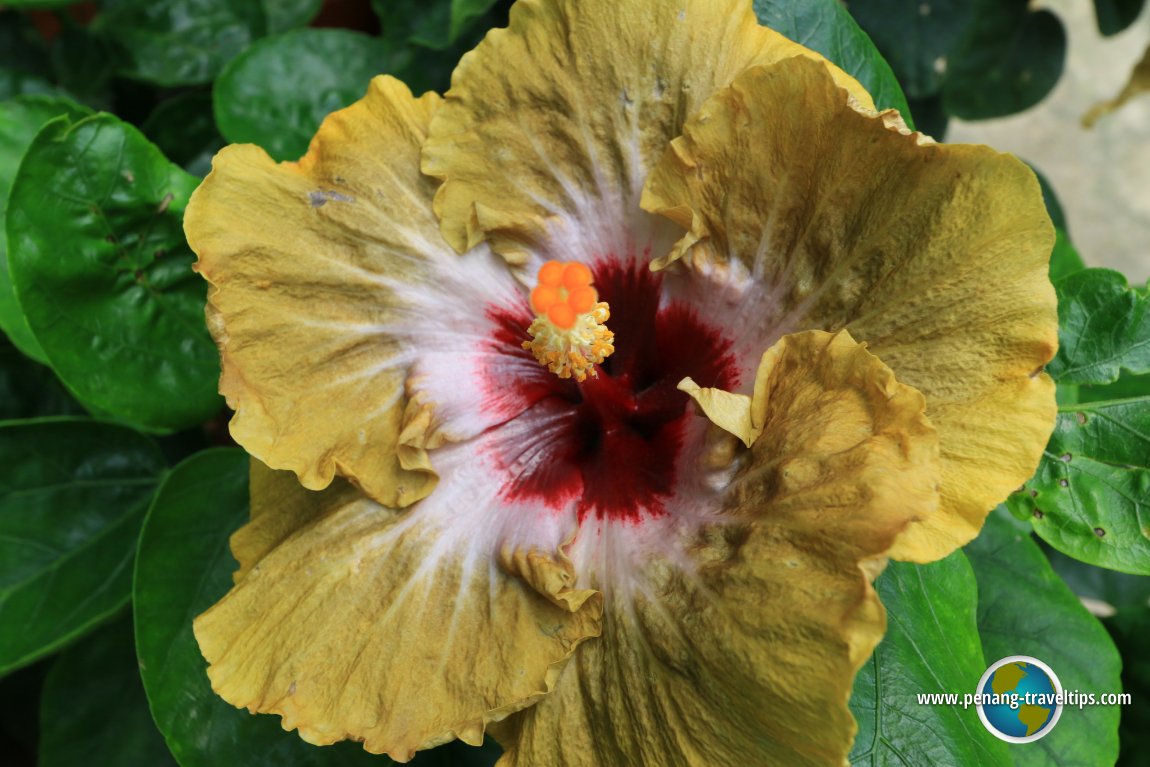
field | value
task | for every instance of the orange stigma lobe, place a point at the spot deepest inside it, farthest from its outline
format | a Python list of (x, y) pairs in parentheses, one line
[(582, 299), (568, 336), (576, 275), (551, 274), (543, 298), (562, 316)]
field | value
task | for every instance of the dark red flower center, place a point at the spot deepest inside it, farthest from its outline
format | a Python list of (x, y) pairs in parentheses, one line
[(612, 442)]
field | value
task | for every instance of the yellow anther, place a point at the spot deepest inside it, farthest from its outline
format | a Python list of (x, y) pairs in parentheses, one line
[(568, 336)]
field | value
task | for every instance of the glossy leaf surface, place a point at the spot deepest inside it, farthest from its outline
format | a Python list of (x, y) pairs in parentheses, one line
[(931, 646), (70, 513), (1024, 608), (20, 120), (179, 42), (93, 710), (278, 91), (1091, 496), (827, 27), (1103, 328), (103, 273)]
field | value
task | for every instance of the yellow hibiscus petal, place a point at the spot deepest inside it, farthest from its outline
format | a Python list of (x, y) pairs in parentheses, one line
[(280, 507), (727, 410), (399, 629), (738, 644), (552, 124), (314, 267), (935, 256)]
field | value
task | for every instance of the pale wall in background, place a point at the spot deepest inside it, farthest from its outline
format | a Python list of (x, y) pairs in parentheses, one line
[(1101, 175)]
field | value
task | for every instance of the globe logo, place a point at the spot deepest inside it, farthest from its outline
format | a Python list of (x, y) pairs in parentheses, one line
[(1019, 699)]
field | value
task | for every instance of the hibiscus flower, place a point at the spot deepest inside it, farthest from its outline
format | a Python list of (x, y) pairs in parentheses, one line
[(589, 399)]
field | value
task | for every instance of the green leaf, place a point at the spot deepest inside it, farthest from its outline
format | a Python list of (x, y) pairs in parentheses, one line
[(1130, 629), (464, 13), (436, 24), (84, 64), (184, 129), (1127, 386), (103, 273), (28, 389), (70, 513), (183, 567), (426, 30), (826, 26), (931, 646), (277, 92), (93, 710), (20, 120), (24, 66), (1115, 15), (459, 754), (916, 37), (17, 82), (1053, 204), (402, 20), (1090, 498), (19, 721), (1010, 58), (179, 42), (1066, 395), (1103, 326), (1064, 259), (1024, 608), (38, 3), (1120, 591), (929, 116), (283, 15)]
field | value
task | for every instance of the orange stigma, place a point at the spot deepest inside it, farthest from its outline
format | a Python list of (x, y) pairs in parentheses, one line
[(568, 336)]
